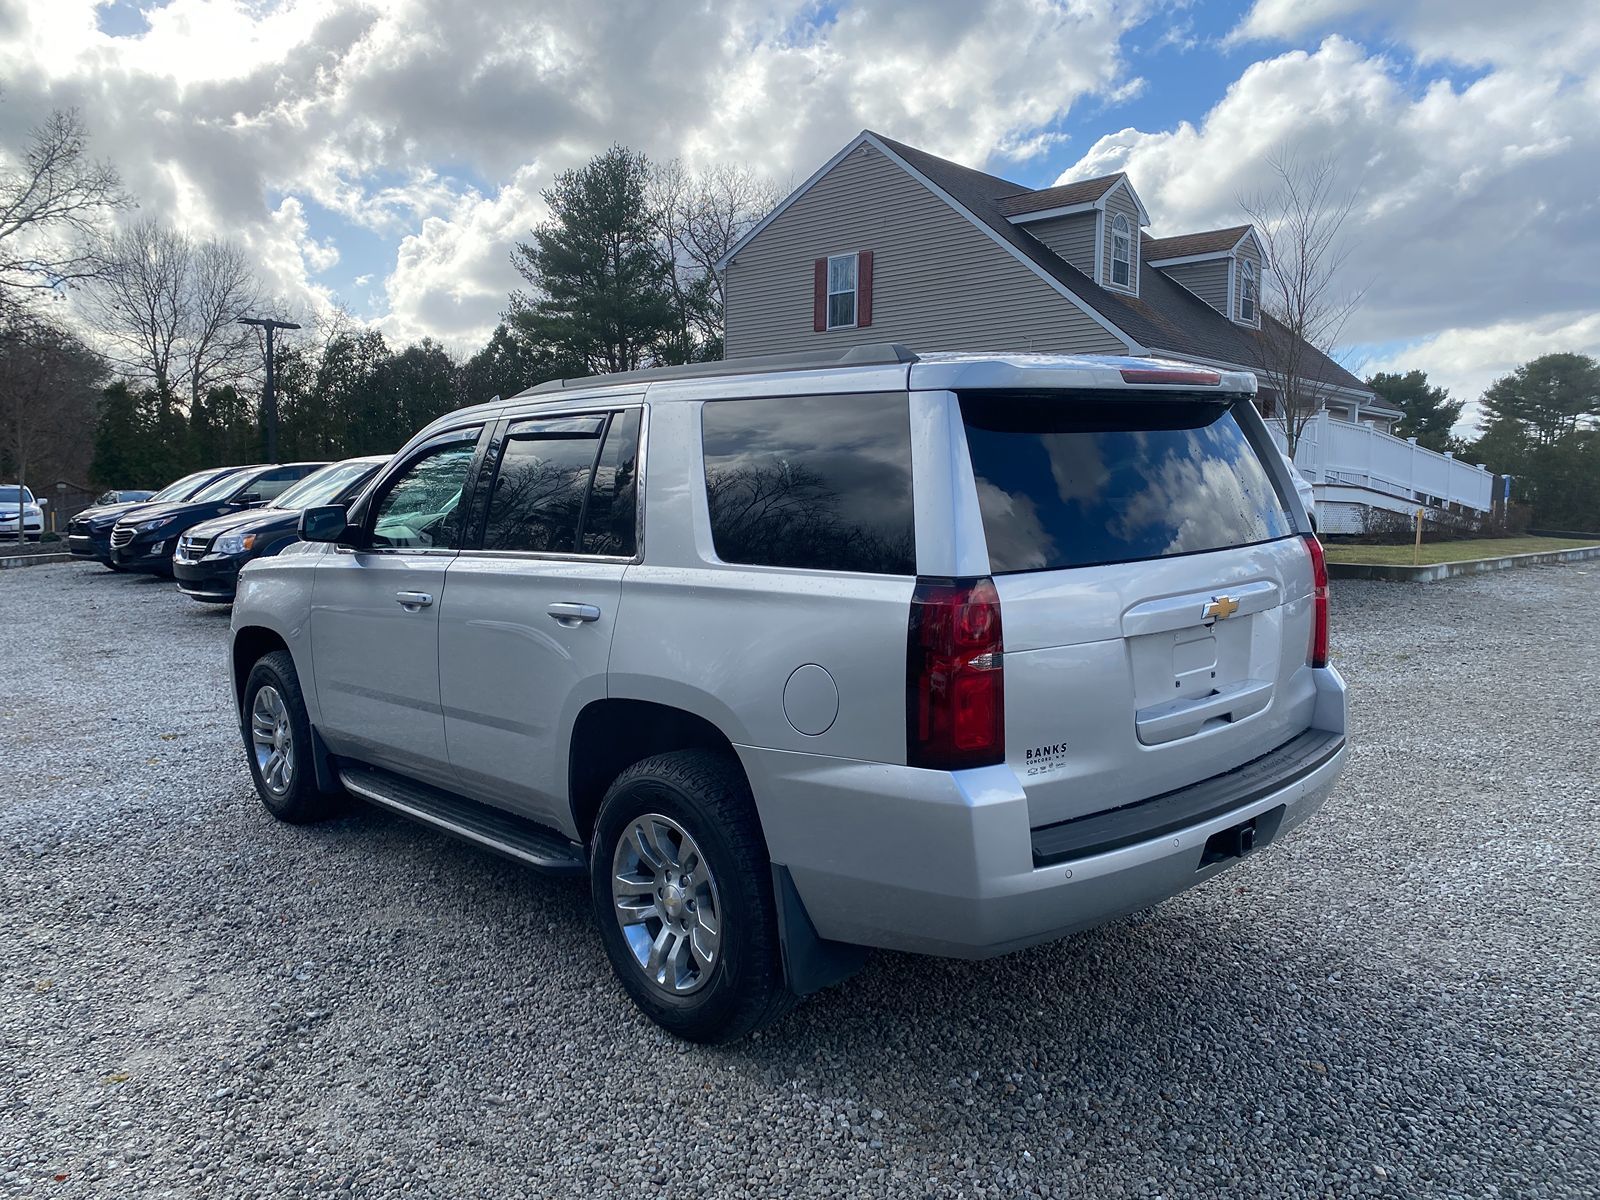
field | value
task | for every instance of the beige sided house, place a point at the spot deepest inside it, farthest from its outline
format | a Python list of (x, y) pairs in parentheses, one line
[(888, 243)]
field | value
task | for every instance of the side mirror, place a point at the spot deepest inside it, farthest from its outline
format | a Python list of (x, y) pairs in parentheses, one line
[(325, 523), (41, 502), (246, 499)]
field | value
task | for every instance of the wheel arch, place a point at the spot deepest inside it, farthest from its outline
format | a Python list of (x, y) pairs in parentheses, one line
[(612, 733)]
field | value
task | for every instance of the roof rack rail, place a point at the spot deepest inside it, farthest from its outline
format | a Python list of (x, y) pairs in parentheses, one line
[(872, 354)]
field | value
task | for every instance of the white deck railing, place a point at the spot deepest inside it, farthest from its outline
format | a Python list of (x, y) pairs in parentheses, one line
[(1336, 452)]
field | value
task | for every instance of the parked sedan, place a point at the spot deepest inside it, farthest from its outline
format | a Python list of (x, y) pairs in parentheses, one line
[(89, 533), (18, 507), (145, 538), (209, 556)]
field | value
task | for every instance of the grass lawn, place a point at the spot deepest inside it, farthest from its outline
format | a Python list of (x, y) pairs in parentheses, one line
[(1438, 552)]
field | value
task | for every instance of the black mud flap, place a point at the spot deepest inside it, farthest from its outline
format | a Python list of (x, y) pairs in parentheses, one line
[(810, 962)]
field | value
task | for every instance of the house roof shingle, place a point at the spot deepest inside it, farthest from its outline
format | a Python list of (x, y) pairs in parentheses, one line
[(1085, 191), (1164, 316), (1212, 241)]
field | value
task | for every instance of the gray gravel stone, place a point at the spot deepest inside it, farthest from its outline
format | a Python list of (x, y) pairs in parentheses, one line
[(1401, 1000)]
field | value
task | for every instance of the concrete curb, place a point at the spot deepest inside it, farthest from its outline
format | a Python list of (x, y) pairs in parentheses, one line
[(1433, 572), (32, 560)]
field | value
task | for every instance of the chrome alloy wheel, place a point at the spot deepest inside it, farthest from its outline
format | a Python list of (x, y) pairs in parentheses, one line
[(273, 739), (666, 903)]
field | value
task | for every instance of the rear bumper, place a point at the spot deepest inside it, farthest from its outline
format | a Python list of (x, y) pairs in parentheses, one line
[(214, 579), (945, 862)]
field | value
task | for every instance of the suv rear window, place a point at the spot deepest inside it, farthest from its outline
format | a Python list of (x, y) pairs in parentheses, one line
[(817, 482), (1073, 480)]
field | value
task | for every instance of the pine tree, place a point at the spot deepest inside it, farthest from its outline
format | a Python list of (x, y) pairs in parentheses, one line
[(1430, 414), (601, 281)]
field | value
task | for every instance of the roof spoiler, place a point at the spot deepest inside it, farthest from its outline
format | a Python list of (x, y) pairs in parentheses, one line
[(873, 354)]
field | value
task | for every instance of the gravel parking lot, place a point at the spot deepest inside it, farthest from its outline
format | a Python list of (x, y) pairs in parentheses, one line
[(1402, 1000)]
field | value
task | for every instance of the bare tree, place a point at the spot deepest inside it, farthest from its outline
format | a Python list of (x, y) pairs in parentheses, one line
[(140, 302), (168, 307), (699, 217), (1304, 303), (52, 203), (222, 288)]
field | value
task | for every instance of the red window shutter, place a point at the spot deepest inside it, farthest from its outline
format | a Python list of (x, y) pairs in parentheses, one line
[(864, 288), (819, 295)]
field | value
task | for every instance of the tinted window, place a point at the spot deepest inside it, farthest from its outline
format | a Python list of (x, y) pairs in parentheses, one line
[(419, 509), (822, 482), (269, 485), (608, 525), (1066, 481), (545, 468)]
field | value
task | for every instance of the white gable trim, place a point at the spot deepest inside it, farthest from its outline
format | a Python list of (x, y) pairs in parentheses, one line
[(981, 227), (1144, 214), (1208, 256), (859, 139)]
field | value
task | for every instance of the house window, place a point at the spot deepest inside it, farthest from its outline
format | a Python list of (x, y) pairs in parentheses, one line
[(1247, 293), (1121, 251), (842, 291)]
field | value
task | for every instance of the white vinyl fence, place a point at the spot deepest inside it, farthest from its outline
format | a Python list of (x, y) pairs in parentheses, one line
[(1335, 452)]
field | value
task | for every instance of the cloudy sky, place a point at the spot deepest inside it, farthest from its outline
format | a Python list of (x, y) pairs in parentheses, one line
[(385, 155)]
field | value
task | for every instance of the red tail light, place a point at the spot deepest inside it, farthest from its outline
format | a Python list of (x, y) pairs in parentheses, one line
[(1319, 603), (955, 677), (1184, 375)]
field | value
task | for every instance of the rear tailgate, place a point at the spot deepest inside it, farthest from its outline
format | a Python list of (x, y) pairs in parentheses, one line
[(1155, 595)]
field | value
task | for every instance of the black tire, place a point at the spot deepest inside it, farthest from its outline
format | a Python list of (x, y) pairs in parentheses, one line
[(301, 801), (707, 795)]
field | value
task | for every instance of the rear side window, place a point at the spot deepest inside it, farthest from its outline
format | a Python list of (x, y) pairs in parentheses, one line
[(1070, 480), (566, 486), (818, 482)]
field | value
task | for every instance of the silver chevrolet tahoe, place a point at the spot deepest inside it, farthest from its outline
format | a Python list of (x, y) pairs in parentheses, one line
[(797, 656)]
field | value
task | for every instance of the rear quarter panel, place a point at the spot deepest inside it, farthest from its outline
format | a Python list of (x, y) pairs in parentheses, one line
[(722, 641)]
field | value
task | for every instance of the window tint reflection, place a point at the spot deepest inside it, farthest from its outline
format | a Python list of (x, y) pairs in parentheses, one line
[(538, 493), (821, 482), (1069, 481)]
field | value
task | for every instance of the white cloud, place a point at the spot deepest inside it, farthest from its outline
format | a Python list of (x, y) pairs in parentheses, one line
[(422, 120), (1466, 361), (1477, 205)]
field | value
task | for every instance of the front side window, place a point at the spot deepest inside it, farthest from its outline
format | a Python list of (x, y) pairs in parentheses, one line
[(1121, 251), (842, 291), (1113, 478), (1247, 292), (419, 511), (817, 482)]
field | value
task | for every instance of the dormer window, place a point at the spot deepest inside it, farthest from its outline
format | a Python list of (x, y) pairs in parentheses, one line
[(842, 291), (1121, 251), (1248, 294)]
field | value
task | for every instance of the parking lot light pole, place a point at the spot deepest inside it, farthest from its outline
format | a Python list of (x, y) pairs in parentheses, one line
[(269, 399)]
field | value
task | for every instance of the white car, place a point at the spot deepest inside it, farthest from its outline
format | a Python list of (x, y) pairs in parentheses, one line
[(31, 516)]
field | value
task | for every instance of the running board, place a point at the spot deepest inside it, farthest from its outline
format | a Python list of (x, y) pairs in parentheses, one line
[(495, 829)]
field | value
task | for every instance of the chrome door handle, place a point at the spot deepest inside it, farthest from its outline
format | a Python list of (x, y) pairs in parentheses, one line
[(412, 601), (572, 615)]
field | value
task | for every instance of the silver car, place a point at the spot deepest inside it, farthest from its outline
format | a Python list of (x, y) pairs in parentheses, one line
[(795, 657)]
